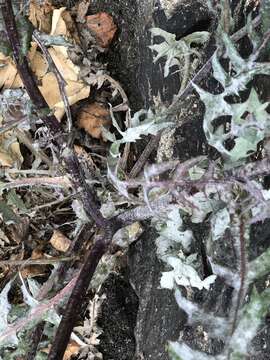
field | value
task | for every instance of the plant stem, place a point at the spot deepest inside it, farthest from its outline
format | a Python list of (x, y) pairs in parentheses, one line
[(79, 291)]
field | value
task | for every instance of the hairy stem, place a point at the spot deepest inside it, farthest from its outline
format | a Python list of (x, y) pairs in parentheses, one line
[(78, 294)]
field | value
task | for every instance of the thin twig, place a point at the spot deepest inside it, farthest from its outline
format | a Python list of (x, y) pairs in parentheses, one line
[(150, 147), (22, 263), (56, 182), (60, 80), (48, 204), (38, 153), (10, 125)]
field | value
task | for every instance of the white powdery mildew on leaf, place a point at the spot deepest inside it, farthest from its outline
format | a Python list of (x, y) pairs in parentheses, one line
[(220, 221), (143, 122), (5, 308), (250, 320), (185, 275), (216, 326), (179, 351), (169, 245), (198, 206), (173, 50), (249, 120)]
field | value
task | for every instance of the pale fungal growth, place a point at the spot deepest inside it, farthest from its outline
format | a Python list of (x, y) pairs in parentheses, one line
[(223, 201)]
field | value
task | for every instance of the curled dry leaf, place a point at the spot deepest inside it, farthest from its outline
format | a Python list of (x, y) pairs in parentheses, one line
[(9, 77), (37, 62), (63, 24), (76, 89), (30, 271), (59, 241), (19, 232), (102, 27), (92, 117), (40, 15)]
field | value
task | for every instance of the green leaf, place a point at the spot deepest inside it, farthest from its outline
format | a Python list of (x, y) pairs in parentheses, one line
[(7, 214), (252, 314), (173, 50), (14, 199)]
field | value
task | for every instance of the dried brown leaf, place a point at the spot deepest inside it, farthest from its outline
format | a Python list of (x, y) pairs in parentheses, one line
[(102, 28), (59, 241), (63, 24), (40, 15), (92, 117)]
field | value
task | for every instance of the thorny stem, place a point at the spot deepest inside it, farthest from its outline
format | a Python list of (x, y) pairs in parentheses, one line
[(56, 182), (27, 262), (242, 270), (35, 338), (78, 294)]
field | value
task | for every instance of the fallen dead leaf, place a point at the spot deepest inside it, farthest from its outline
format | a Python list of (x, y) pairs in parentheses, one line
[(63, 24), (92, 117), (72, 349), (59, 241), (76, 90), (10, 152), (60, 57), (37, 253), (40, 15), (102, 27), (71, 27), (82, 10), (31, 271), (9, 77), (58, 23), (19, 232), (37, 62)]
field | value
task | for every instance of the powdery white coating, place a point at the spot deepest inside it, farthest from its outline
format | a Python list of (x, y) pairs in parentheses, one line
[(251, 314), (220, 221), (216, 326), (182, 351), (231, 278), (169, 6), (5, 308), (184, 274)]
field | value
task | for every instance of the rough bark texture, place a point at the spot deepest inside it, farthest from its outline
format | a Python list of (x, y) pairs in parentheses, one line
[(130, 61), (157, 319)]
